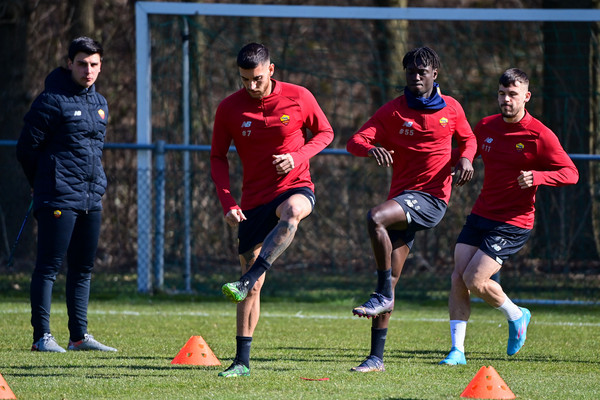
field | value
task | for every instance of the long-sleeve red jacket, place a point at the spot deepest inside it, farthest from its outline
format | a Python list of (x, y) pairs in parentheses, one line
[(422, 144), (260, 128)]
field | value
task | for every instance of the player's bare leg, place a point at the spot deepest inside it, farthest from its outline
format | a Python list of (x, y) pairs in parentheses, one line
[(248, 311), (290, 213), (459, 305), (388, 215), (379, 325), (478, 278), (247, 316), (473, 274)]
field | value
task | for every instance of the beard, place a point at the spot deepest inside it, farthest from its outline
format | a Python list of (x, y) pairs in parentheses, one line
[(508, 112)]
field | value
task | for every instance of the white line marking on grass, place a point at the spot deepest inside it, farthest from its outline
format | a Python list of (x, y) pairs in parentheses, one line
[(298, 314)]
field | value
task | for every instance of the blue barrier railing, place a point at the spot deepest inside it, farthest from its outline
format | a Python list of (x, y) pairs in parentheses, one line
[(160, 150), (206, 147)]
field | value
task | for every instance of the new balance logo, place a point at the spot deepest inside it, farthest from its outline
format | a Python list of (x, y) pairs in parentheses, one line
[(77, 113), (246, 124)]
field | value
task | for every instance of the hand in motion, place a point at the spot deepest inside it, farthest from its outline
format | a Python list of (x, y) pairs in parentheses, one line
[(525, 179), (382, 156), (463, 171), (234, 217), (284, 163)]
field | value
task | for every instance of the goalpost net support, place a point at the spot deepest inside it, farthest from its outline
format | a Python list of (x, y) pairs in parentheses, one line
[(466, 45)]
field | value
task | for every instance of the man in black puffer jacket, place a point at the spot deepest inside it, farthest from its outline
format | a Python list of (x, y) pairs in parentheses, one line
[(60, 150)]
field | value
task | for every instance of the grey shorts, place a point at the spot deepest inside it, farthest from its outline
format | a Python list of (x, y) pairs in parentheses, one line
[(423, 211)]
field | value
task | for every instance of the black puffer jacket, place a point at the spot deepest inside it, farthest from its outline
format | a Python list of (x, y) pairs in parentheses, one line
[(60, 147)]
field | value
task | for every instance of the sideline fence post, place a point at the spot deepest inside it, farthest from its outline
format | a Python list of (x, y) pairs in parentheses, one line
[(159, 228)]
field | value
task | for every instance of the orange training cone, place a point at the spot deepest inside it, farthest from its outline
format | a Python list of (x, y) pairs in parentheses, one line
[(487, 384), (5, 392), (196, 352)]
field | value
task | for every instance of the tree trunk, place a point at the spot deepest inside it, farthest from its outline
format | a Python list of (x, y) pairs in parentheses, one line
[(81, 18), (14, 103), (13, 34), (390, 37)]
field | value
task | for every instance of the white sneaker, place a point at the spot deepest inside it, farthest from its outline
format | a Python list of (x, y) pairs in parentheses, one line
[(47, 343), (89, 343)]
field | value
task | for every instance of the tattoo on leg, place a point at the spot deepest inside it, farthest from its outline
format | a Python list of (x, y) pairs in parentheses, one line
[(278, 240)]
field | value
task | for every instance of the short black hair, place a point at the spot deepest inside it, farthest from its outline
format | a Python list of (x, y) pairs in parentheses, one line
[(512, 75), (422, 56), (84, 44), (252, 55)]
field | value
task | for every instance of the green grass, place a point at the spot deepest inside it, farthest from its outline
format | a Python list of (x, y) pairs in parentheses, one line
[(296, 339)]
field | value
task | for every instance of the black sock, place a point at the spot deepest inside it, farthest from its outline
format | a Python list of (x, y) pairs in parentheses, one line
[(259, 267), (378, 337), (242, 354), (384, 283)]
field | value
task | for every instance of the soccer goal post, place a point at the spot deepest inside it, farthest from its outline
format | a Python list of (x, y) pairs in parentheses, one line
[(331, 51)]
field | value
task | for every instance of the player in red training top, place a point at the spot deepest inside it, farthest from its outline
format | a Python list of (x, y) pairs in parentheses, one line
[(267, 120), (414, 132), (519, 154)]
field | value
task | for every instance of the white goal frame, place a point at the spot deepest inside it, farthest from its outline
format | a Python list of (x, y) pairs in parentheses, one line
[(143, 9)]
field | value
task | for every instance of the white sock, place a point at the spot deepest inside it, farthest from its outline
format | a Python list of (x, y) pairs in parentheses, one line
[(510, 310), (458, 330)]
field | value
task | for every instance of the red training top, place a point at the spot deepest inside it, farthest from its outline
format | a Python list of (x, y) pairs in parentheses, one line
[(506, 150), (422, 144), (261, 128)]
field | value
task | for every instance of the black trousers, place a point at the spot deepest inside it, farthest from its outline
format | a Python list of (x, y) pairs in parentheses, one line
[(74, 234)]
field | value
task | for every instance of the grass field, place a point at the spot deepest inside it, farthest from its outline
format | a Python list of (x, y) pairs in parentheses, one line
[(295, 339)]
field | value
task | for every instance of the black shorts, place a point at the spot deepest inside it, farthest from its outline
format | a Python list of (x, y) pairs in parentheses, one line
[(423, 211), (261, 220), (496, 239)]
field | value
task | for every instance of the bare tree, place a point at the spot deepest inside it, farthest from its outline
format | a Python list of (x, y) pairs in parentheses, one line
[(390, 38), (81, 18), (13, 102)]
